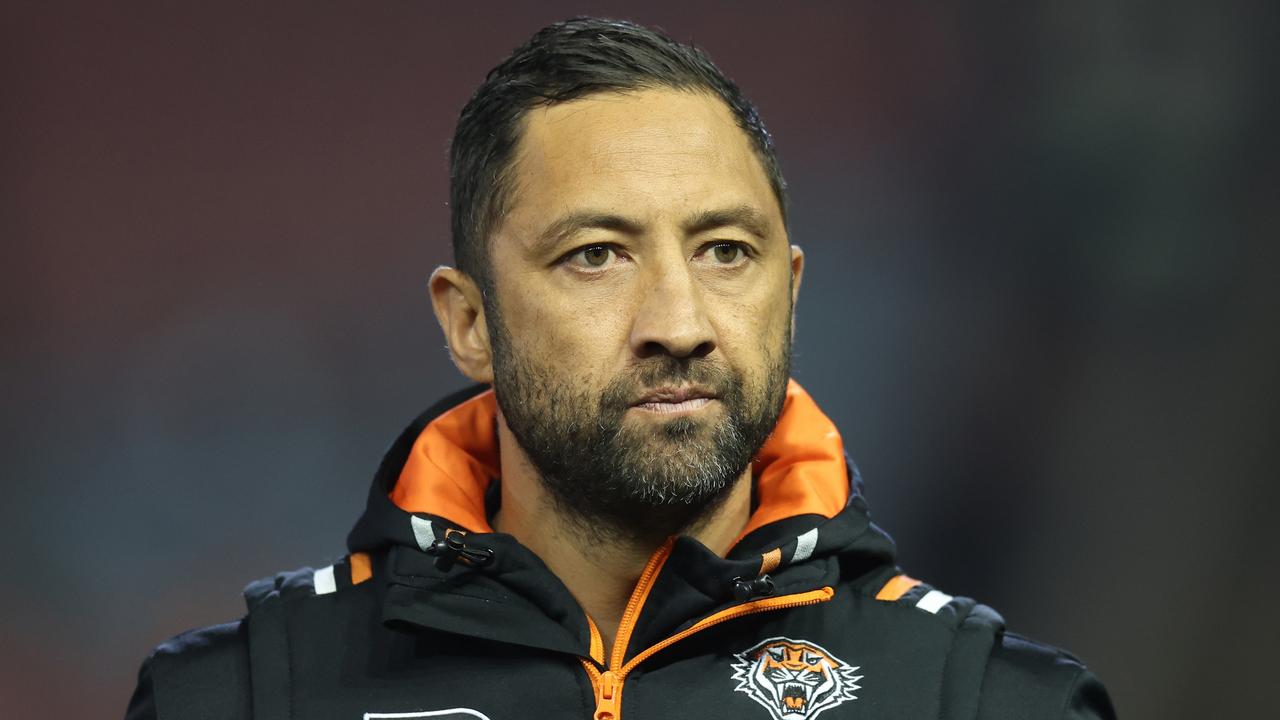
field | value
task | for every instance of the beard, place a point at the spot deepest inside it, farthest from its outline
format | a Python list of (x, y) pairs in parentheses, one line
[(639, 482)]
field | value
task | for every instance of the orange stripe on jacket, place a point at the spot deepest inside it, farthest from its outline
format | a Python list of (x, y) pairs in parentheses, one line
[(361, 569), (897, 586)]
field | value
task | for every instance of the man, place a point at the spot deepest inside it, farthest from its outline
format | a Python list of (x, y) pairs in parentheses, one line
[(644, 517)]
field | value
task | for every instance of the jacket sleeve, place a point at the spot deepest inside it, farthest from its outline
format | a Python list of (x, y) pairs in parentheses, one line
[(1026, 679), (198, 675)]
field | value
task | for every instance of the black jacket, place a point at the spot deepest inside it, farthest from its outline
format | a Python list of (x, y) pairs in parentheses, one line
[(434, 615)]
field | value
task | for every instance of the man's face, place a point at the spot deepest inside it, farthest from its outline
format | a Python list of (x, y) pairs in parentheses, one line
[(640, 320)]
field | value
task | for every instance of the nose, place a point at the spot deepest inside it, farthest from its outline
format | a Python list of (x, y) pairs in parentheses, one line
[(671, 318)]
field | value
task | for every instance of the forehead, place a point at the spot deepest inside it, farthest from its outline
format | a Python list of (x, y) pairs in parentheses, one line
[(649, 152)]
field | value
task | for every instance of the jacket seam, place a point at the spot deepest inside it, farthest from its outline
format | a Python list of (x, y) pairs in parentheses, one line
[(468, 596), (942, 678), (288, 646), (1071, 691)]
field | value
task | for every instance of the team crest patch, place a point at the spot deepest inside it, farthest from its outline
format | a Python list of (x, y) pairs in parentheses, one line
[(794, 679)]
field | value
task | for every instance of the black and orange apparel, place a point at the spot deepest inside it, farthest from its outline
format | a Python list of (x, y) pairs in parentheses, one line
[(435, 615)]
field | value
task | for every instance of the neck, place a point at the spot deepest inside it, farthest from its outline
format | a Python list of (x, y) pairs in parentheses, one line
[(600, 575)]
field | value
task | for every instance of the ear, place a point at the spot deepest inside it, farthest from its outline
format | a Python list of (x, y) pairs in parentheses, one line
[(459, 307), (797, 274)]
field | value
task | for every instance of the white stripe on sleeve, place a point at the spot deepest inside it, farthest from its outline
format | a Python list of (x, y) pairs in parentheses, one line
[(933, 601), (324, 581)]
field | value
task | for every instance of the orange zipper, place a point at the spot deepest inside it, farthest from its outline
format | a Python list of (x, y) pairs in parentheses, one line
[(608, 684), (596, 650), (636, 601)]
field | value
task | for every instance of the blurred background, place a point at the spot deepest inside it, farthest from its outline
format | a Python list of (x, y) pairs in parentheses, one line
[(1040, 302)]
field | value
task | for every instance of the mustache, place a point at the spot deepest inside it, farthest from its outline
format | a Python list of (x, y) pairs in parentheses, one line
[(624, 391)]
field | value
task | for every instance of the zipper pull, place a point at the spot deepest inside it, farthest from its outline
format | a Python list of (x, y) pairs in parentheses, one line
[(608, 699)]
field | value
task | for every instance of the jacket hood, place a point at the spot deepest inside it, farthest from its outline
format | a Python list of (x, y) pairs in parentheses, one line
[(442, 565)]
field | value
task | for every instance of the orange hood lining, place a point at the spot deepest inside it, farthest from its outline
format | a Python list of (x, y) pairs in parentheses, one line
[(799, 471)]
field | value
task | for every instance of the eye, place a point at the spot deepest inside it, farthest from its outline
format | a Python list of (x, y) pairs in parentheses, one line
[(727, 253), (592, 257)]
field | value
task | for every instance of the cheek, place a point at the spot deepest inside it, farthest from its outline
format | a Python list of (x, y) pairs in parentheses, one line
[(752, 349), (578, 337), (753, 327)]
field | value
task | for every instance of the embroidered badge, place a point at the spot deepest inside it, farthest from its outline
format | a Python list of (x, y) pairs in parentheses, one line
[(794, 679)]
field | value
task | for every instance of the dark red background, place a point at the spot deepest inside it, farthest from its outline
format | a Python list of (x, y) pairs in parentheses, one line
[(1040, 304)]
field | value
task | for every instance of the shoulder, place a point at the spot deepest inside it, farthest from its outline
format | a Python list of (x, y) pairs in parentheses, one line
[(1025, 678), (204, 674), (216, 643), (307, 583), (199, 674), (1013, 675)]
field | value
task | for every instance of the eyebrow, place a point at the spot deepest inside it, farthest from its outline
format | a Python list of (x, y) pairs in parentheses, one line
[(744, 216), (581, 220)]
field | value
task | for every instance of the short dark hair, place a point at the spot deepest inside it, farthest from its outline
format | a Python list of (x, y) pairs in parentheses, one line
[(562, 62)]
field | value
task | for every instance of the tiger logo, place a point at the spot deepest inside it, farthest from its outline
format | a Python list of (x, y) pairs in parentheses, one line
[(794, 679)]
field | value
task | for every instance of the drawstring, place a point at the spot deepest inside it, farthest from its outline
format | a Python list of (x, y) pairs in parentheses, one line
[(451, 549), (746, 589)]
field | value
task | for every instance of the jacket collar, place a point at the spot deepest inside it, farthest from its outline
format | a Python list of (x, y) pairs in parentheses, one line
[(433, 481), (800, 470)]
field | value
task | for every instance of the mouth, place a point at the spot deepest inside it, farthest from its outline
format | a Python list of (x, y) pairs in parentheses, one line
[(674, 400), (795, 698)]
